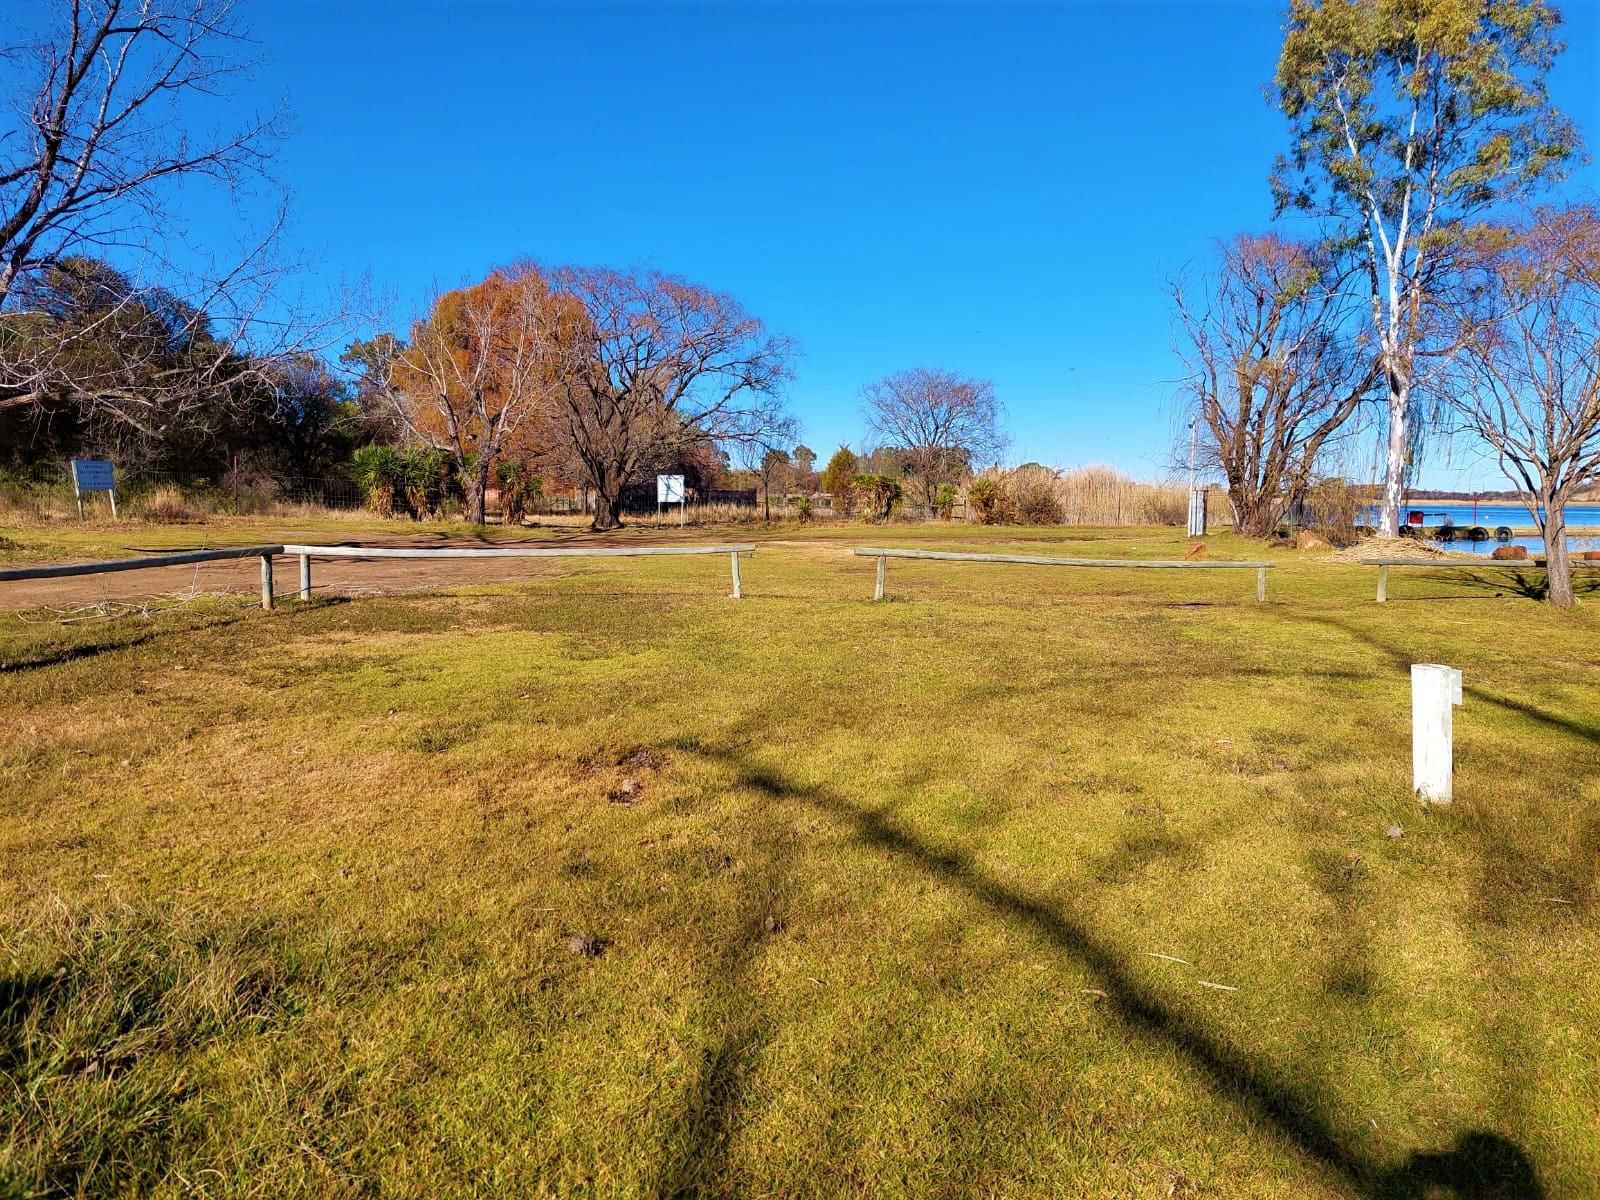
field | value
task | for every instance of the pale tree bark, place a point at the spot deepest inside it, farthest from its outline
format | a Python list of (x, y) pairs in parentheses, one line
[(1557, 562), (1407, 121)]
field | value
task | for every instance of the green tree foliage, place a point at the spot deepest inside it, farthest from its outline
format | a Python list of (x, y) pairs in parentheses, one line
[(1408, 118), (836, 477), (93, 362)]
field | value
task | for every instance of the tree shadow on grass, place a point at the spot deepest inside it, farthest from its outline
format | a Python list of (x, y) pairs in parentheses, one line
[(55, 656), (698, 1164), (1402, 661), (1491, 581), (1481, 1166), (1516, 871)]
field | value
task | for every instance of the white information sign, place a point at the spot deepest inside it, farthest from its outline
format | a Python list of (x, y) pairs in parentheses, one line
[(669, 489), (93, 475)]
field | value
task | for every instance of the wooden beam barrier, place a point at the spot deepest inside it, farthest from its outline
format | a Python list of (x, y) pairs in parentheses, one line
[(1456, 564), (882, 554), (109, 566), (307, 553)]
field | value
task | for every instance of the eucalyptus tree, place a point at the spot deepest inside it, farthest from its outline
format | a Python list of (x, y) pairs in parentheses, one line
[(1409, 119)]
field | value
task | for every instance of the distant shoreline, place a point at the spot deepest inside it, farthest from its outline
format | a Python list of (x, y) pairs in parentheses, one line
[(1481, 498)]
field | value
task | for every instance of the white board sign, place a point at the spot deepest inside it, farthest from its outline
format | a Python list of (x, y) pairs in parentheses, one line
[(669, 489), (93, 475)]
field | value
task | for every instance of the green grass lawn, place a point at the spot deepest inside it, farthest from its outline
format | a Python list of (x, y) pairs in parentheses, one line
[(1028, 882)]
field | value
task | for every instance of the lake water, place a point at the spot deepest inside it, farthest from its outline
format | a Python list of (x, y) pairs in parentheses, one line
[(1463, 517)]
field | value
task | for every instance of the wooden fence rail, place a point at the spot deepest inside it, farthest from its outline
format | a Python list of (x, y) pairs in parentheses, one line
[(1452, 564), (160, 560), (882, 554), (307, 553)]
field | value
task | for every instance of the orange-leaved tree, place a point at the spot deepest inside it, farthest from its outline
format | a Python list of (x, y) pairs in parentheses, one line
[(478, 371)]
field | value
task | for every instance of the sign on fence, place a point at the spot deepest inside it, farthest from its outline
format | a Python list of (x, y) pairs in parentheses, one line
[(93, 475)]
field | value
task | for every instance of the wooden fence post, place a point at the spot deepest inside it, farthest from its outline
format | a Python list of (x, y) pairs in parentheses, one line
[(1435, 691), (266, 582), (734, 559), (305, 578), (1383, 585), (1261, 585), (877, 593)]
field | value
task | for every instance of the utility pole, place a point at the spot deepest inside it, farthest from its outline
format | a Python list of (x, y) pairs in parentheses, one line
[(1197, 498)]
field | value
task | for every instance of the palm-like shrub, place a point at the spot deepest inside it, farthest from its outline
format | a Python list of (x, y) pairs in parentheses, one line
[(378, 472), (424, 473), (877, 494), (519, 487), (986, 499)]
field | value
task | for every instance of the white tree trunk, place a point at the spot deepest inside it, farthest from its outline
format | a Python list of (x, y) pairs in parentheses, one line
[(1394, 481)]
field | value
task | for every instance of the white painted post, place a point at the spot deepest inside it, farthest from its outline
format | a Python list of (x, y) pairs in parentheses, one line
[(305, 578), (1383, 585), (737, 592), (1261, 585), (877, 593), (266, 582), (1435, 691)]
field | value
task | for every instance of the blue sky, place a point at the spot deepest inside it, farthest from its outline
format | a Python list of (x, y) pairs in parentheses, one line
[(1001, 191)]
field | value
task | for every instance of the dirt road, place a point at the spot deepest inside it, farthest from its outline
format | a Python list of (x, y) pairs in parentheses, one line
[(330, 576)]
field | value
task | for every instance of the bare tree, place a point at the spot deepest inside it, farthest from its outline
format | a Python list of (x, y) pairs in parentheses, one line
[(98, 143), (478, 368), (95, 143), (938, 423), (1526, 375), (1274, 374), (765, 456), (652, 362)]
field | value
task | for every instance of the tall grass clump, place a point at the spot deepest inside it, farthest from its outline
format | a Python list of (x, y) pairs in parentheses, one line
[(165, 503), (1035, 495), (1334, 510)]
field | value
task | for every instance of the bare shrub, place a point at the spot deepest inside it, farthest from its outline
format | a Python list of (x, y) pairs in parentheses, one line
[(1034, 496), (165, 503), (1333, 509)]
